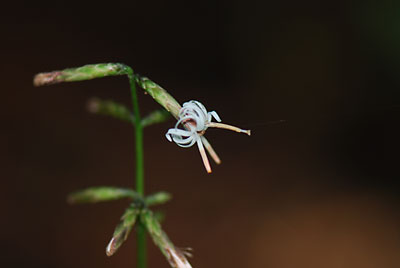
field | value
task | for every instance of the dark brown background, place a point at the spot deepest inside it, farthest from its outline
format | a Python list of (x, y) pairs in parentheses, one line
[(319, 190)]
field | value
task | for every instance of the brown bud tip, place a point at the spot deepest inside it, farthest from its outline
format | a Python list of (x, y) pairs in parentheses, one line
[(46, 79), (70, 200), (93, 105), (111, 249)]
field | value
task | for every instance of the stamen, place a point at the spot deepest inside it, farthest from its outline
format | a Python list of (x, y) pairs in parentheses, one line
[(210, 150), (204, 156), (229, 127)]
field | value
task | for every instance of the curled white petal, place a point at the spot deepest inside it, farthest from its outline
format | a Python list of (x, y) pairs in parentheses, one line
[(168, 136), (196, 112), (215, 115), (194, 117), (196, 106), (182, 138), (192, 122)]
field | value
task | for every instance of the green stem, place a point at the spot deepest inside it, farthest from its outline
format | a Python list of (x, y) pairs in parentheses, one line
[(141, 246), (141, 232), (138, 137)]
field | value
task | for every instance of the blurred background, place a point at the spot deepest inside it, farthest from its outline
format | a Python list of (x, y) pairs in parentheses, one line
[(319, 189)]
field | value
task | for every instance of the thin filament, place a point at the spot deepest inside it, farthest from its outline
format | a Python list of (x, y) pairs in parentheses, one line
[(210, 150), (204, 156), (229, 127)]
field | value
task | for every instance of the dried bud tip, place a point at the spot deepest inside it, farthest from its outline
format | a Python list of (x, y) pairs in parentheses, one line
[(93, 105), (187, 251), (177, 259), (46, 78), (70, 200), (111, 249)]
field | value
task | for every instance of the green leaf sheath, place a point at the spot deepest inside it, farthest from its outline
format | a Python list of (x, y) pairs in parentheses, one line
[(110, 108), (86, 72), (108, 193), (123, 229), (159, 94), (101, 194), (157, 198), (155, 117)]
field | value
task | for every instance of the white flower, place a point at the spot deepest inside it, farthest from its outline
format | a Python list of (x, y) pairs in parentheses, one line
[(195, 119)]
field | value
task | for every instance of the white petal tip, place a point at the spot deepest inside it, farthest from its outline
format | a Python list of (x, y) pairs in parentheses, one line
[(215, 115)]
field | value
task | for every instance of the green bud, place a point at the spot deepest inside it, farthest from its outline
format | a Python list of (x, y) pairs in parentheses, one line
[(159, 94), (175, 257), (85, 72), (123, 229), (110, 108), (101, 194), (155, 117)]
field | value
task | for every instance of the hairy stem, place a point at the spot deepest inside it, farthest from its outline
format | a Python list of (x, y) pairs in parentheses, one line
[(141, 232)]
